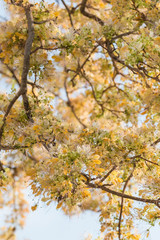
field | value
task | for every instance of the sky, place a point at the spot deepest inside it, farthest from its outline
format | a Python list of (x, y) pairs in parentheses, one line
[(51, 224)]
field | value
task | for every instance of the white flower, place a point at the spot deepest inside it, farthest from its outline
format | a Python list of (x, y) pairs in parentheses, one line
[(85, 149), (70, 35)]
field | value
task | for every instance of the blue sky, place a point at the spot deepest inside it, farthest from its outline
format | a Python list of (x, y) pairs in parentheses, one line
[(51, 224)]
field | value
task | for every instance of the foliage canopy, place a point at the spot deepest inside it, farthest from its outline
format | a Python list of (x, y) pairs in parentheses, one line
[(81, 121)]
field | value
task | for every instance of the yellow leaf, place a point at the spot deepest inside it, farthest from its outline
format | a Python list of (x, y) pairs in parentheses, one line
[(44, 55), (86, 193), (6, 60), (157, 40), (50, 6), (147, 234), (65, 171), (35, 127), (147, 120), (83, 178), (100, 170), (20, 139), (119, 180), (2, 55), (34, 207), (57, 58), (44, 199), (49, 202), (143, 113), (102, 5), (105, 139), (11, 133), (95, 156), (56, 14), (64, 150), (59, 205), (96, 161), (54, 160), (158, 5)]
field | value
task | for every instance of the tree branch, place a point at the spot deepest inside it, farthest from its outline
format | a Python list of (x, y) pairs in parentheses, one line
[(89, 15), (123, 35), (122, 200), (71, 105), (43, 21), (9, 147), (8, 111), (26, 64), (119, 194), (79, 68), (107, 175), (69, 12)]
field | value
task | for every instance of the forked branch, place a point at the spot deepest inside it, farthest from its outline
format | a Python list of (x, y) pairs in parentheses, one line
[(26, 65), (89, 15)]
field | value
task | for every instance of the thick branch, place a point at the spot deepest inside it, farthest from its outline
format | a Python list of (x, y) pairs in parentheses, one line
[(146, 160), (117, 59), (26, 62), (45, 48), (156, 142), (89, 15), (119, 194)]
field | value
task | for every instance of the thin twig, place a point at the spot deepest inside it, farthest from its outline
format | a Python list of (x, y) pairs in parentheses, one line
[(71, 105), (69, 12), (122, 201), (44, 21), (107, 175)]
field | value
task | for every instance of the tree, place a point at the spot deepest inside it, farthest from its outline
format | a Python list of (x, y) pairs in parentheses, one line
[(81, 123)]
